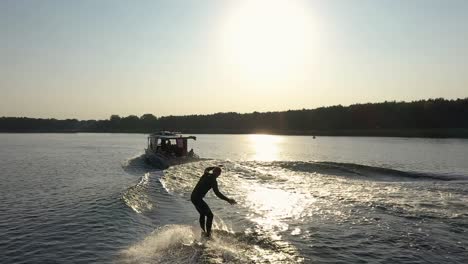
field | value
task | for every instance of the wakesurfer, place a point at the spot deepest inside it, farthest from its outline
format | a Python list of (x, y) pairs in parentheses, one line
[(207, 182)]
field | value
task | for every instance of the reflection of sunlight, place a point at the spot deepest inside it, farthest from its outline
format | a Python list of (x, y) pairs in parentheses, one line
[(264, 147), (275, 205)]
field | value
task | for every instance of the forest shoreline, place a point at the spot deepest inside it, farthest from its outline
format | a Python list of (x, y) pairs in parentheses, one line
[(409, 133)]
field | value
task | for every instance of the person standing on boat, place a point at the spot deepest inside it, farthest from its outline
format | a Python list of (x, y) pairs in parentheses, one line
[(206, 182)]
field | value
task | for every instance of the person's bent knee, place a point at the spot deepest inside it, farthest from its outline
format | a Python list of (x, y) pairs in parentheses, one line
[(209, 215), (195, 200)]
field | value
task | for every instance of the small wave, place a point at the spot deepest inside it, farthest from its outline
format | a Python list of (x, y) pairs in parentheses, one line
[(362, 171), (136, 197)]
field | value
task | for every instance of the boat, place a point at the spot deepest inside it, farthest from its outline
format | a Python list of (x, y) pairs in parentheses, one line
[(167, 148)]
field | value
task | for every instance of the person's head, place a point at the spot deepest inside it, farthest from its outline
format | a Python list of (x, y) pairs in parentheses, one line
[(216, 171)]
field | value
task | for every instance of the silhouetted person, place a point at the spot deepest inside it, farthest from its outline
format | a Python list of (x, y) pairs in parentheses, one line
[(163, 145), (206, 182)]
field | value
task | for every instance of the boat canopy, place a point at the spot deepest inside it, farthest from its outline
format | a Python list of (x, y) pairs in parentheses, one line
[(170, 135), (169, 142)]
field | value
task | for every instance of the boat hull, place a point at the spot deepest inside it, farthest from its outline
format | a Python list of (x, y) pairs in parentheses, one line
[(162, 161)]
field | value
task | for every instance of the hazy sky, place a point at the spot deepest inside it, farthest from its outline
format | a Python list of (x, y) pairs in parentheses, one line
[(90, 59)]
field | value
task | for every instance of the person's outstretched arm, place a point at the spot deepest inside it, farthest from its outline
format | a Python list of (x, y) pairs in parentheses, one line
[(220, 195)]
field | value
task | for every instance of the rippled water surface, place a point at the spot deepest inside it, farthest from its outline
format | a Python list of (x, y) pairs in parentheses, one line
[(91, 198)]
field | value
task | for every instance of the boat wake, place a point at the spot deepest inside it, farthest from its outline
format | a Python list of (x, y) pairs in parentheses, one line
[(361, 171), (279, 205)]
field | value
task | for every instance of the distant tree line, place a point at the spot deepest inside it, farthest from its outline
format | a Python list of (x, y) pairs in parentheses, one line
[(433, 117)]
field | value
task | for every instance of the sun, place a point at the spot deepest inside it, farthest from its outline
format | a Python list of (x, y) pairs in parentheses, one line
[(269, 37)]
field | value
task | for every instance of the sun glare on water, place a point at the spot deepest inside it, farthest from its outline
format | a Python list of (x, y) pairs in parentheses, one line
[(268, 37), (264, 147)]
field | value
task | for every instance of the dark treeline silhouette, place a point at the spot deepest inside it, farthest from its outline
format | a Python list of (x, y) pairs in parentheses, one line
[(425, 118)]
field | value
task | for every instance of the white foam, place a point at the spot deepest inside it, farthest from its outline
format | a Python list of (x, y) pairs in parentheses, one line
[(183, 244), (170, 244), (219, 224)]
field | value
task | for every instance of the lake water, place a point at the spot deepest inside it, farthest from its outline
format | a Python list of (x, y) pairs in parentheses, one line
[(91, 198)]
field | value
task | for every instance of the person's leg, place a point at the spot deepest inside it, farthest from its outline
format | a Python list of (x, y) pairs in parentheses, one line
[(209, 222), (202, 222), (209, 217), (198, 205)]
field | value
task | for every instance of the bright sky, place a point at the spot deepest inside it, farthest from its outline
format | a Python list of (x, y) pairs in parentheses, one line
[(90, 59)]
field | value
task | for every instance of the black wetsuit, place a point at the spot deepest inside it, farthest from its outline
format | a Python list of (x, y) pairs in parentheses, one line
[(206, 182)]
